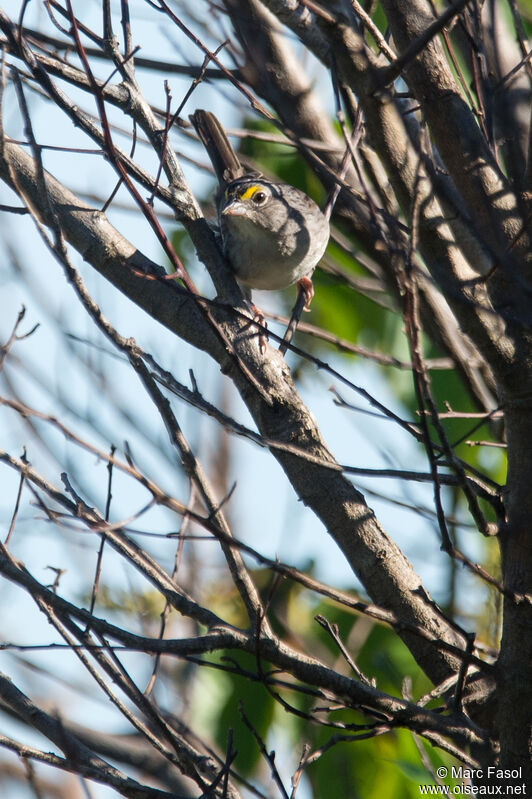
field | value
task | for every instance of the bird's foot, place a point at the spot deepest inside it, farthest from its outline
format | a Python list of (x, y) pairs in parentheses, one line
[(258, 318), (307, 289)]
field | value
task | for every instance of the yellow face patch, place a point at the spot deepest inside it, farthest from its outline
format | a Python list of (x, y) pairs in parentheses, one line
[(248, 193)]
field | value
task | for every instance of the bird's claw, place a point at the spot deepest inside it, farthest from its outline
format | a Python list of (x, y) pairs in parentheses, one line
[(258, 318), (306, 287)]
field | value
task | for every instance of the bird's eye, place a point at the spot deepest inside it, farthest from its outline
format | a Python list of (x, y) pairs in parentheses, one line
[(260, 197)]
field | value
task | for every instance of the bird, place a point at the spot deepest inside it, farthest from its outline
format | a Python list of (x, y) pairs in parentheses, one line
[(273, 234)]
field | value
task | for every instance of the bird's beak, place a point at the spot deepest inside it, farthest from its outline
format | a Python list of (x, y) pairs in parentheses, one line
[(234, 209)]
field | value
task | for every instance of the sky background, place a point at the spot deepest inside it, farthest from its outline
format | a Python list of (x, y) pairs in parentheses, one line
[(264, 509)]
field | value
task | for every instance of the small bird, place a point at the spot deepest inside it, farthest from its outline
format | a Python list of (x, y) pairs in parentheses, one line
[(273, 234)]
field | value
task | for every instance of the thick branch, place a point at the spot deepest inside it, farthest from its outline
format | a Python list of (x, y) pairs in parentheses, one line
[(307, 669), (387, 575)]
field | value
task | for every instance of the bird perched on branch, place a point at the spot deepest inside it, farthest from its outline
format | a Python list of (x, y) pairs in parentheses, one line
[(273, 234)]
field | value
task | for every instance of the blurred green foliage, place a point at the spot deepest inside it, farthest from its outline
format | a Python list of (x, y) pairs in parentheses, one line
[(389, 764)]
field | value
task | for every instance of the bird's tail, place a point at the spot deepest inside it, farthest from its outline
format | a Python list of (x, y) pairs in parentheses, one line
[(214, 139)]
